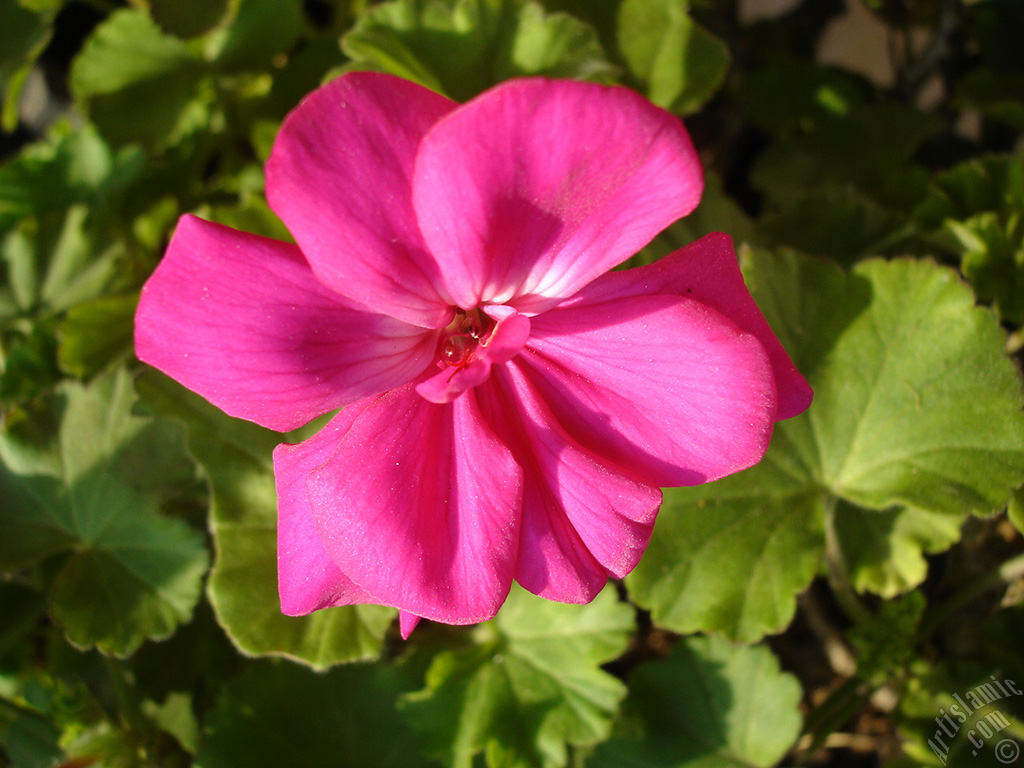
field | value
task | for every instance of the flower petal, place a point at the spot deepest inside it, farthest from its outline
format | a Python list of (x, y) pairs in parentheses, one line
[(340, 178), (707, 271), (241, 320), (532, 190), (420, 506), (407, 622), (664, 387), (308, 579), (583, 518)]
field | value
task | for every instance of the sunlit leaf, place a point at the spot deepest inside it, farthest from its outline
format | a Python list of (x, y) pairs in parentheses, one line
[(916, 405), (885, 552), (462, 47), (529, 684), (139, 82), (679, 63), (709, 704)]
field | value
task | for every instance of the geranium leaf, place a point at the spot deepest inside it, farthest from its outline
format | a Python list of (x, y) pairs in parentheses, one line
[(884, 551), (65, 169), (462, 47), (975, 211), (260, 30), (280, 714), (139, 82), (840, 223), (771, 543), (26, 33), (95, 333), (1016, 510), (916, 405), (188, 18), (529, 685), (131, 574), (709, 704), (679, 63), (869, 147), (243, 518)]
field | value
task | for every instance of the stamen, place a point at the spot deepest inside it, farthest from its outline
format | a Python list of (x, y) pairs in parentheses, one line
[(464, 334)]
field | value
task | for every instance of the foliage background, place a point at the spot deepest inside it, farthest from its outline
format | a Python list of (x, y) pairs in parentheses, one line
[(821, 608)]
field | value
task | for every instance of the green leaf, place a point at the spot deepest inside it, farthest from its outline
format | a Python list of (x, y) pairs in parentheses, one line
[(975, 211), (175, 716), (243, 518), (189, 18), (140, 83), (884, 551), (871, 148), (916, 406), (462, 47), (28, 737), (679, 63), (96, 333), (26, 33), (260, 30), (529, 685), (916, 402), (789, 94), (1016, 510), (58, 262), (30, 366), (69, 167), (886, 642), (709, 704), (769, 532), (840, 223), (130, 573), (280, 714)]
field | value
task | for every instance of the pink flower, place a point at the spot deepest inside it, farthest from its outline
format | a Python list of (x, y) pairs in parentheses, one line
[(510, 407)]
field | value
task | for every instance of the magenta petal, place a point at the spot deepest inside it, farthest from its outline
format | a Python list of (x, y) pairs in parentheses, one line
[(241, 320), (340, 179), (532, 190), (308, 579), (420, 506), (665, 387), (708, 271), (407, 622), (575, 504)]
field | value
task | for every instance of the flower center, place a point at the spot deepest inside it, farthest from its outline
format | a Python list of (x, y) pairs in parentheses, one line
[(462, 337), (474, 341)]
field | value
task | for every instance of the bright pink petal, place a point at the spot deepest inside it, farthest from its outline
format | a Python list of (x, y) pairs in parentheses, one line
[(308, 579), (420, 506), (340, 179), (708, 271), (532, 190), (241, 320), (665, 387), (407, 622), (583, 518)]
